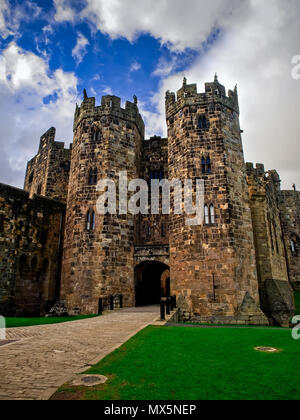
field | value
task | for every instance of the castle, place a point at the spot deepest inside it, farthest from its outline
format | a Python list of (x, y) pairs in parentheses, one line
[(239, 267)]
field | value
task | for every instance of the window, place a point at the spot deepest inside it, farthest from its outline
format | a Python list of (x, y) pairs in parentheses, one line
[(39, 189), (293, 246), (163, 230), (212, 214), (206, 215), (206, 165), (203, 124), (90, 220), (97, 135), (156, 175), (93, 176), (209, 214)]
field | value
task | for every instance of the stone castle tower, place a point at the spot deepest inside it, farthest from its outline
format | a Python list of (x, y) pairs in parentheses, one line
[(98, 250), (212, 266), (237, 267)]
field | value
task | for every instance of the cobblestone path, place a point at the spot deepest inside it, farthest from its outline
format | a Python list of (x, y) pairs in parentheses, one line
[(42, 358)]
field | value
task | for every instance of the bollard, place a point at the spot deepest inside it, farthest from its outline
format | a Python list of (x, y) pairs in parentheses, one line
[(100, 306), (162, 310), (168, 306), (111, 303), (121, 301)]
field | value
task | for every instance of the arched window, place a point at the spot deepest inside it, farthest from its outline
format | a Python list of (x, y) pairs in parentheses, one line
[(206, 215), (206, 165), (93, 176), (203, 163), (212, 214), (203, 124), (97, 135), (90, 220), (209, 214)]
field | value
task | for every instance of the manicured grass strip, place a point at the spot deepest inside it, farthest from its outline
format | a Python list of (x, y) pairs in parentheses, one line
[(174, 363), (28, 322)]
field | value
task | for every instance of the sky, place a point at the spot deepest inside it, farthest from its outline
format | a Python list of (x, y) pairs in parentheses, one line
[(50, 50)]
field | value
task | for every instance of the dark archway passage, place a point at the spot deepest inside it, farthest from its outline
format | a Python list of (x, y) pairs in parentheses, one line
[(149, 278)]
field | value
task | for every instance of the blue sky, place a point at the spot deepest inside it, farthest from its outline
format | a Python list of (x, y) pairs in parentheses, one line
[(51, 49)]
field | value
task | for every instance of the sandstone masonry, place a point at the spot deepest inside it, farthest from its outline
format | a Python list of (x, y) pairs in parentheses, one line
[(239, 267)]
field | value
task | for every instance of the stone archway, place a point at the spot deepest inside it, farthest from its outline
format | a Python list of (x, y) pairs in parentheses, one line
[(151, 280)]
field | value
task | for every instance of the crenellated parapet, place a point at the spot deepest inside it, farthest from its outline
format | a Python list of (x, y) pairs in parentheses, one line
[(110, 106), (188, 95)]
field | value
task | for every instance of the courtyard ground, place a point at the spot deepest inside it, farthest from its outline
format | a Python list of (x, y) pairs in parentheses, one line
[(184, 363), (36, 360)]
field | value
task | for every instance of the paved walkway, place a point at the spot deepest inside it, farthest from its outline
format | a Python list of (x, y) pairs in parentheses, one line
[(45, 357)]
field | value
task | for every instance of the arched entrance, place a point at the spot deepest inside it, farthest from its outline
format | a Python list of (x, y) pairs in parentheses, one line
[(152, 281)]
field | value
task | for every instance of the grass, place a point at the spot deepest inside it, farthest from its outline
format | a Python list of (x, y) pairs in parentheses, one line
[(28, 322), (297, 302), (176, 363)]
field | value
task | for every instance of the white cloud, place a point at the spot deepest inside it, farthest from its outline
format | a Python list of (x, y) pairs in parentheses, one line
[(165, 67), (108, 90), (25, 83), (4, 10), (135, 66), (256, 52), (176, 23), (80, 49), (64, 11)]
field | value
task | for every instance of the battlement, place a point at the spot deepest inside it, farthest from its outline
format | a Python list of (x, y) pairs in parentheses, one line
[(110, 105), (16, 195), (155, 142), (188, 95), (258, 171), (48, 140)]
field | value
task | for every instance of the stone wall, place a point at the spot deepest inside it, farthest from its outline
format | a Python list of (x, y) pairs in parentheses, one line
[(153, 229), (264, 192), (30, 252), (289, 205), (98, 259), (212, 266), (47, 173)]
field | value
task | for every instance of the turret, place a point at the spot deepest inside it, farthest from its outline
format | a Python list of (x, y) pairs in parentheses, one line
[(188, 95), (204, 142), (99, 249)]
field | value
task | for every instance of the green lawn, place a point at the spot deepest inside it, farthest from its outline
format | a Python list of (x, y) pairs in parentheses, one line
[(297, 302), (28, 322), (176, 363)]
